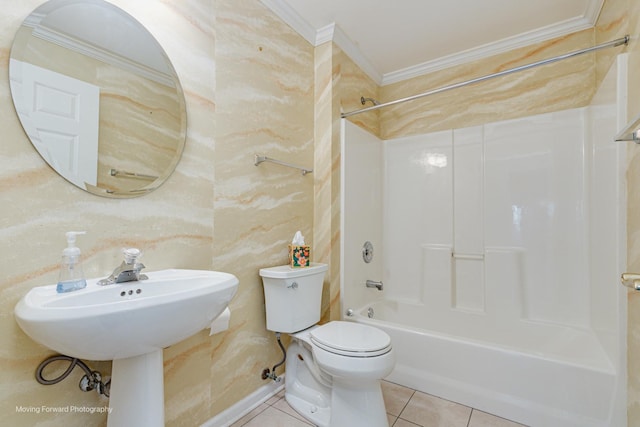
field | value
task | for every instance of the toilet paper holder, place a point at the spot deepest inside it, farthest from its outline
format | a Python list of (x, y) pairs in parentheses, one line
[(631, 280)]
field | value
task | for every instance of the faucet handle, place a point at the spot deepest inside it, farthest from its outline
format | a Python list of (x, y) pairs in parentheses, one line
[(131, 255), (374, 284)]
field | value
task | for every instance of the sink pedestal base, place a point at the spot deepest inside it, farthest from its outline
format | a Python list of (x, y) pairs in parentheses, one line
[(137, 391)]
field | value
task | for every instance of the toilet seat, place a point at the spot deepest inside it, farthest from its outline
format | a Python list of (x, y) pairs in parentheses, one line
[(351, 339)]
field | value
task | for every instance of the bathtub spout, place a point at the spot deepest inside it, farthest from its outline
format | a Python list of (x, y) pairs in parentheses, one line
[(374, 284)]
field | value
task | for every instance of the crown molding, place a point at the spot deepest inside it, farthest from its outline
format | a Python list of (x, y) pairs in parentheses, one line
[(593, 11), (340, 38), (470, 55), (332, 32), (108, 57), (293, 19), (80, 46), (325, 34)]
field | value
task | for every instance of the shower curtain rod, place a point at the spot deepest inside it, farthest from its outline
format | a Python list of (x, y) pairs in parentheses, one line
[(614, 43)]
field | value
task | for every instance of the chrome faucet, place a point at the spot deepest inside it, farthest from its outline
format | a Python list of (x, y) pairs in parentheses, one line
[(374, 284), (128, 271)]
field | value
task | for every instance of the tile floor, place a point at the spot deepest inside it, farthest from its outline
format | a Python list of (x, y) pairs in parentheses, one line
[(405, 408)]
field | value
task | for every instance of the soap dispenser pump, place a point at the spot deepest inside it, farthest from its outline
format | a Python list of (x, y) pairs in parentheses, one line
[(71, 275)]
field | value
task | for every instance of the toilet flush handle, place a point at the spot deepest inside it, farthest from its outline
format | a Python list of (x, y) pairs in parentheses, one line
[(294, 285)]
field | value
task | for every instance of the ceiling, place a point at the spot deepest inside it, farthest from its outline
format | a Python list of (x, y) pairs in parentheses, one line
[(396, 40)]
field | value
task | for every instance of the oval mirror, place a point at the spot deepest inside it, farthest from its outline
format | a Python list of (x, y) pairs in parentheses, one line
[(98, 97)]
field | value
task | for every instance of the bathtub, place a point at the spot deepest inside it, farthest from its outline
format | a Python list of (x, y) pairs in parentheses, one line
[(526, 382)]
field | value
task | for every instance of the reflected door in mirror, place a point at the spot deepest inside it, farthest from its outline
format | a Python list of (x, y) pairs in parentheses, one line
[(98, 97)]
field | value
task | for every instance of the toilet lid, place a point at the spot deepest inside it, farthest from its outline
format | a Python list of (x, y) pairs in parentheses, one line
[(351, 339)]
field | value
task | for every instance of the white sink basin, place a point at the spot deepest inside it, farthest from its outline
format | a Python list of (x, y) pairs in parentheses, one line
[(128, 319)]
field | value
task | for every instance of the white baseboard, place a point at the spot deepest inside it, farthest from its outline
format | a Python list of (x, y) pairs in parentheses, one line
[(246, 405)]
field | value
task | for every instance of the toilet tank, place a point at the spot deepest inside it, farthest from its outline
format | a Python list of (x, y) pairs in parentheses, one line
[(293, 296)]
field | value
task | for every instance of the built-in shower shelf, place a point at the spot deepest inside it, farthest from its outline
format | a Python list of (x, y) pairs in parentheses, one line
[(456, 255)]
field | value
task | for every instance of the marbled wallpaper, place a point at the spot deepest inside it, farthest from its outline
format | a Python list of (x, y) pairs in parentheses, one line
[(327, 172), (264, 105), (559, 86), (339, 84)]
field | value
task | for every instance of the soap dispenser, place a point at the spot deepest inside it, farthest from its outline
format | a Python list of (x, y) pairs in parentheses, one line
[(71, 275)]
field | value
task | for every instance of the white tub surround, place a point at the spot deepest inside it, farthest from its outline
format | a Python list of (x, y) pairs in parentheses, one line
[(500, 247)]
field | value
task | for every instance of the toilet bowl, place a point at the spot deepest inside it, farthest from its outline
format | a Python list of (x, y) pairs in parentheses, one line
[(333, 371)]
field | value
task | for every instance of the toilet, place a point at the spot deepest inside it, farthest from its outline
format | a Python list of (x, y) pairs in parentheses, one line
[(333, 371)]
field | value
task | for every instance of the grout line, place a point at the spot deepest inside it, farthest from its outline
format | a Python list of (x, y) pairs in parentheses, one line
[(291, 416), (397, 417), (278, 400), (406, 404), (256, 415), (408, 422)]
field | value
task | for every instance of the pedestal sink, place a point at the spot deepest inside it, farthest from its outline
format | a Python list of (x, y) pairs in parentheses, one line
[(129, 323)]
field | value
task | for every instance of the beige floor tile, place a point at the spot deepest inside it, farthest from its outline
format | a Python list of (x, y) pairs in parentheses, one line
[(430, 411), (283, 406), (272, 417), (245, 419), (482, 419), (415, 409), (395, 397)]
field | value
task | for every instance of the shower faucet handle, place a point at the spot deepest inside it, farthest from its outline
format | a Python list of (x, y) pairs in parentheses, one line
[(631, 280), (374, 284)]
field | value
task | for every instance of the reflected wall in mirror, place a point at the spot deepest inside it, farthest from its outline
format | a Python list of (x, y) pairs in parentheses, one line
[(98, 97)]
